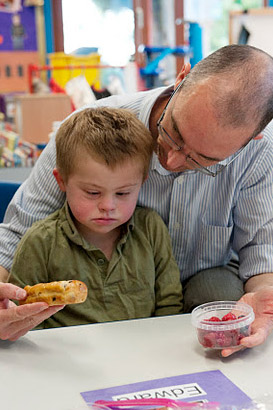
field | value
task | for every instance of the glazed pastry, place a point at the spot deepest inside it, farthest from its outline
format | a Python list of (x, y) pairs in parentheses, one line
[(62, 292)]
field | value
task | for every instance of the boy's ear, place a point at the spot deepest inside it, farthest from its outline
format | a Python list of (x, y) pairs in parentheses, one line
[(59, 179)]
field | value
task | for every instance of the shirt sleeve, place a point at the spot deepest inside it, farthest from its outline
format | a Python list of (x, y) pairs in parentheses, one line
[(168, 288), (253, 219)]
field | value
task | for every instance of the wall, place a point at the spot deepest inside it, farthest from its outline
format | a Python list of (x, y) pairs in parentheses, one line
[(258, 23)]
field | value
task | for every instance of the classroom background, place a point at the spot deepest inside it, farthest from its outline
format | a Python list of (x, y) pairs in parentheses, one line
[(58, 55)]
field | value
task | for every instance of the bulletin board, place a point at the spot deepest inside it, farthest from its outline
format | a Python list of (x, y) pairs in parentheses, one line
[(18, 45), (17, 28), (253, 27)]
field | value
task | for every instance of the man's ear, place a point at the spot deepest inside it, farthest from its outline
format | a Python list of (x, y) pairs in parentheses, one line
[(182, 74), (59, 179), (145, 178)]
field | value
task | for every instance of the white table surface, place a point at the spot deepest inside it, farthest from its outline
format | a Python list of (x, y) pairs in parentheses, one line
[(16, 174), (47, 369)]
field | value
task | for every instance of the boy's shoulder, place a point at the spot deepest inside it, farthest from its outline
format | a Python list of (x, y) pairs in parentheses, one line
[(145, 214)]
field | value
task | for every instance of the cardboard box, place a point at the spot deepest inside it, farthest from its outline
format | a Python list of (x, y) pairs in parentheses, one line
[(35, 114)]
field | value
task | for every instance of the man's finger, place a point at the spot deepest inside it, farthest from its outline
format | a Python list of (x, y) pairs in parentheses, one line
[(17, 329), (229, 352), (255, 339), (10, 291), (19, 313)]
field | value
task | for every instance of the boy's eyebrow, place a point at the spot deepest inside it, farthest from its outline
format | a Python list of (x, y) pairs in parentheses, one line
[(100, 187), (175, 127)]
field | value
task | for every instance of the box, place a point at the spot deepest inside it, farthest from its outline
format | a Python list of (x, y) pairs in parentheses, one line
[(68, 61), (35, 114), (222, 324)]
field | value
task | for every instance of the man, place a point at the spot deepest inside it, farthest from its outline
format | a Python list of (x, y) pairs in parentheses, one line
[(211, 180)]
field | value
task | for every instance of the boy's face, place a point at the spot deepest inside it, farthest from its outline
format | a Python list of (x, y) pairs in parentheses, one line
[(100, 198)]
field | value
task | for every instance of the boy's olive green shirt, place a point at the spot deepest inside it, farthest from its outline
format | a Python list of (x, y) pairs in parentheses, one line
[(141, 279)]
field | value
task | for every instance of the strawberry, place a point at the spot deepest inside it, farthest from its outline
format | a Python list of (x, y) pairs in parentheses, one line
[(229, 316), (213, 319)]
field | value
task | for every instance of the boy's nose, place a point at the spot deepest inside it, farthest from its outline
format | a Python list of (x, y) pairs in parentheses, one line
[(107, 204)]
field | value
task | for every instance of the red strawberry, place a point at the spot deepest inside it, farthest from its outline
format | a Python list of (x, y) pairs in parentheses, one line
[(213, 319), (209, 340), (229, 316)]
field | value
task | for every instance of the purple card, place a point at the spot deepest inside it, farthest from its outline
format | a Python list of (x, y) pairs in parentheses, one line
[(203, 387)]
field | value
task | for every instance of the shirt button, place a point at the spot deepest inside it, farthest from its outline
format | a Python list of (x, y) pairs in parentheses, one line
[(180, 180), (101, 262)]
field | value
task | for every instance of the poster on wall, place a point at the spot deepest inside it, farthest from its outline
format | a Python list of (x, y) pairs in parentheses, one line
[(10, 6), (17, 28)]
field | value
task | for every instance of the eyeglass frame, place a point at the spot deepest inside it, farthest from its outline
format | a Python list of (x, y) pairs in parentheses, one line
[(170, 141)]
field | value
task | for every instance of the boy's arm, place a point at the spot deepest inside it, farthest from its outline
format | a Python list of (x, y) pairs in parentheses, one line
[(30, 261), (168, 288)]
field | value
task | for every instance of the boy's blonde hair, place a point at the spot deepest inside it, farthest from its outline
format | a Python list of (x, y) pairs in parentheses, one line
[(112, 135)]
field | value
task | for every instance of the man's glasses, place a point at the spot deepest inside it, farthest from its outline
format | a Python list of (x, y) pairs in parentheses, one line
[(171, 142)]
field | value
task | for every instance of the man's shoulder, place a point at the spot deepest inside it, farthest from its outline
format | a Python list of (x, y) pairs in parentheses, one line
[(44, 225)]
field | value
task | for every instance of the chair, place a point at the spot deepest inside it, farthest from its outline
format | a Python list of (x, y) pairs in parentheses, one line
[(7, 190)]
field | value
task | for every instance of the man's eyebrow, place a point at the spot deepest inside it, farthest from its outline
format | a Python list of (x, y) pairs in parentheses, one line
[(197, 153)]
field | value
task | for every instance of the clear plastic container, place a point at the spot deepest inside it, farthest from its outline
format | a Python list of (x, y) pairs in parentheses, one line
[(222, 324)]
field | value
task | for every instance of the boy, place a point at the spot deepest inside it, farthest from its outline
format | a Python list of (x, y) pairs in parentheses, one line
[(122, 254)]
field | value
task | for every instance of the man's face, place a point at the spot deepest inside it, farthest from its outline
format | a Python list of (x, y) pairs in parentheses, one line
[(192, 134)]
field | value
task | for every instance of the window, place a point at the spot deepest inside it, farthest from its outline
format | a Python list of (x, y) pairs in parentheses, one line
[(20, 71), (213, 17), (8, 71), (100, 24)]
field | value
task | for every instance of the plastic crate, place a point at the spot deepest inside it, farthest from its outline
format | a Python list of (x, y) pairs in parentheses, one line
[(62, 76)]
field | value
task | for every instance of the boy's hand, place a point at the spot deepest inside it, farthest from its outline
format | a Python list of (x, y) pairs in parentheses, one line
[(16, 321)]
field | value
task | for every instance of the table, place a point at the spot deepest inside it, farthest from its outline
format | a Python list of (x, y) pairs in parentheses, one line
[(47, 369), (16, 174)]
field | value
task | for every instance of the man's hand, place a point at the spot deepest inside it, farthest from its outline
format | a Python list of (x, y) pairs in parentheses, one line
[(262, 304), (16, 321)]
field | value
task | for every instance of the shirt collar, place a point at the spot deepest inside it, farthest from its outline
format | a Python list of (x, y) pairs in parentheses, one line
[(73, 234)]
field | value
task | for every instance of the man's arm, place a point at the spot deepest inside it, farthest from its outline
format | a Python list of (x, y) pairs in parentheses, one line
[(36, 198), (258, 282)]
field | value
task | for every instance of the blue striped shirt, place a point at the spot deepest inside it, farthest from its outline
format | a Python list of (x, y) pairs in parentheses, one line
[(208, 218)]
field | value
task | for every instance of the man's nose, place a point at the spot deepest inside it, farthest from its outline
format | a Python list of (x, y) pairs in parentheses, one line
[(176, 159)]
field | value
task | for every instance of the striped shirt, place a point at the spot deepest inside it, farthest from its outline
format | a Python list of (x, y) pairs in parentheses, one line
[(208, 218)]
